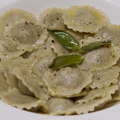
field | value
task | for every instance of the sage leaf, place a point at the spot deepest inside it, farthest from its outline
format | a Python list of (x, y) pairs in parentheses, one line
[(65, 39), (66, 60), (94, 45)]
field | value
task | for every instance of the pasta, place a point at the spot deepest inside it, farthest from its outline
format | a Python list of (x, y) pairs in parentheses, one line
[(89, 106), (62, 84), (59, 104), (42, 58), (57, 63), (110, 33), (84, 19), (52, 19), (101, 59), (105, 77), (27, 35), (9, 48), (96, 93), (14, 15), (30, 82), (15, 98)]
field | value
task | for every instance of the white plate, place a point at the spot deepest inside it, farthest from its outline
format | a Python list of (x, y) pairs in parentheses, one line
[(110, 7)]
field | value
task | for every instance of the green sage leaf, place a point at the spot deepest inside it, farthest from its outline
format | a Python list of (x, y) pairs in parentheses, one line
[(66, 60), (94, 45), (65, 39)]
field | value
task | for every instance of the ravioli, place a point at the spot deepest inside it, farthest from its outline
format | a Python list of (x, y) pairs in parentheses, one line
[(101, 59), (96, 93), (52, 19), (18, 72), (8, 66), (15, 98), (84, 108), (56, 105), (27, 35), (111, 32), (88, 107), (8, 48), (90, 101), (42, 59), (30, 82), (105, 78), (67, 82), (84, 19), (12, 16)]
